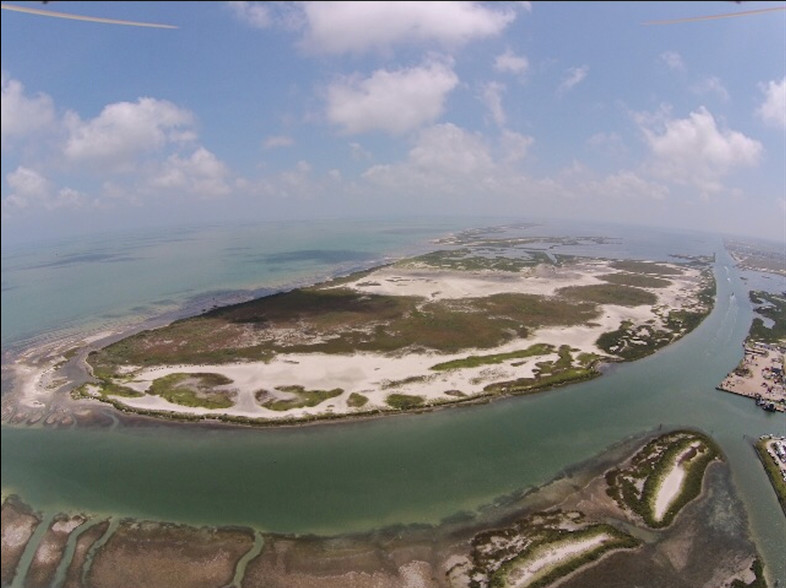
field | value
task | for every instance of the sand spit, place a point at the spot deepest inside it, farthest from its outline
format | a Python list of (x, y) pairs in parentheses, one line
[(549, 556), (669, 489)]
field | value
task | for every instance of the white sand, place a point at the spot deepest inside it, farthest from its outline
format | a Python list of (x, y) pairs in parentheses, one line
[(17, 533), (671, 485), (551, 555)]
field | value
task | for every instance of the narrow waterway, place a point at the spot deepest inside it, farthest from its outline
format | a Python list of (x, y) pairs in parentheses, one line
[(410, 469)]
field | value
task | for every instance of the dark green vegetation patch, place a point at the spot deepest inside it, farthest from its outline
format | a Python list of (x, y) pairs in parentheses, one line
[(610, 294), (405, 401), (357, 400), (468, 259), (549, 374), (106, 388), (637, 280), (773, 472), (646, 267), (339, 320), (299, 397), (772, 307), (495, 358), (631, 341), (199, 390)]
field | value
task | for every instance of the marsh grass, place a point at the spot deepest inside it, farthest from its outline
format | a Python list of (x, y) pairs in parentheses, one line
[(357, 400), (196, 390), (496, 358), (646, 267), (637, 280), (610, 294), (636, 487), (300, 398), (616, 539), (405, 401), (772, 307), (773, 472), (339, 321)]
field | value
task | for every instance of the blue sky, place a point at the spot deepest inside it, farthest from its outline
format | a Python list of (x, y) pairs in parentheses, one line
[(272, 111)]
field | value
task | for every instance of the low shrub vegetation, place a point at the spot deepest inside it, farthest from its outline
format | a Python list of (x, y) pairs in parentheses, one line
[(300, 398), (405, 401), (357, 400), (196, 390)]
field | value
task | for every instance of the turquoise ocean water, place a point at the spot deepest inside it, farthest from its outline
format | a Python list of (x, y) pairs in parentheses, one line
[(361, 475)]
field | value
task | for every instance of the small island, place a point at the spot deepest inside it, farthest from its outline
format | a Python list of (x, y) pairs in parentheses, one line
[(477, 319)]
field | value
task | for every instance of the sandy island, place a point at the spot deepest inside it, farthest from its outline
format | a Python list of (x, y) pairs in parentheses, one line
[(370, 376)]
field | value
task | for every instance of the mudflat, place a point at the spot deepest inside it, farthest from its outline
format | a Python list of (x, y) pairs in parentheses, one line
[(574, 531)]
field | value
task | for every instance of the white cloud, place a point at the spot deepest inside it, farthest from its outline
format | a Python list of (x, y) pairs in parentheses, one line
[(356, 27), (508, 62), (445, 160), (626, 185), (711, 85), (574, 77), (773, 109), (22, 115), (694, 151), (458, 169), (28, 187), (275, 141), (67, 198), (257, 14), (359, 153), (515, 146), (201, 174), (124, 130), (298, 184), (492, 98), (448, 148), (392, 101), (673, 60), (609, 143)]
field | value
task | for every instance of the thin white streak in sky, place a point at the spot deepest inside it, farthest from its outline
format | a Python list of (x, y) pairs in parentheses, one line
[(41, 12), (711, 17)]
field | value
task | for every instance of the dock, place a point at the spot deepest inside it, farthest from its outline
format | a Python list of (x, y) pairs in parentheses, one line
[(759, 376)]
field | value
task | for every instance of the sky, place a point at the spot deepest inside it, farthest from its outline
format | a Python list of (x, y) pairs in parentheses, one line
[(272, 111)]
